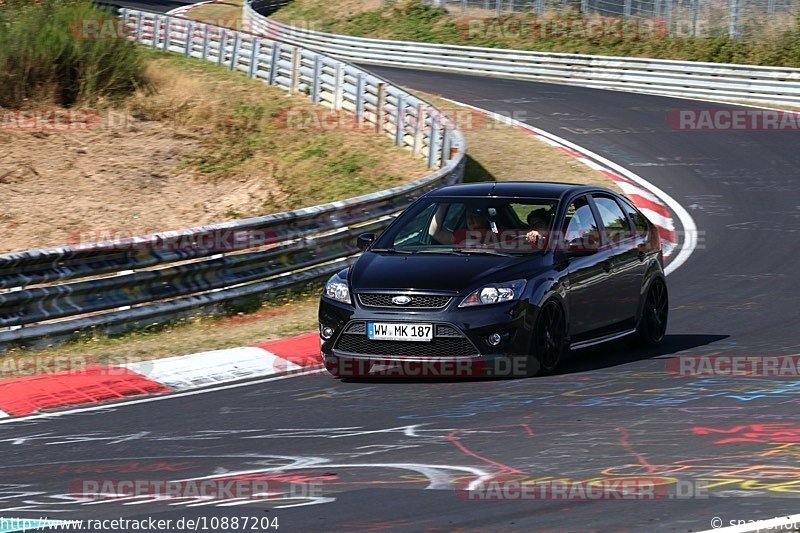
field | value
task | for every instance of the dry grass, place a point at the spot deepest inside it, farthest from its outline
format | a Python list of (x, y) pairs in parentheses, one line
[(227, 13), (207, 146), (502, 153)]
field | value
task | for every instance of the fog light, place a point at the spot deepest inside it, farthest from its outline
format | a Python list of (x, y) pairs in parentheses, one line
[(327, 332), (494, 339)]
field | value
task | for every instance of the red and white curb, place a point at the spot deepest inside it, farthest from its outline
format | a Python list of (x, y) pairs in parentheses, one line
[(654, 203), (27, 395)]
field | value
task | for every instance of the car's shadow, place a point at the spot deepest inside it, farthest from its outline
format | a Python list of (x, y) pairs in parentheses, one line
[(600, 357), (620, 353)]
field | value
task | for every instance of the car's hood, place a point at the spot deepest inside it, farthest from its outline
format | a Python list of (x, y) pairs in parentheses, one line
[(436, 272)]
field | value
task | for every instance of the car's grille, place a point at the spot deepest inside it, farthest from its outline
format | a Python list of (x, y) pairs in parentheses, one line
[(357, 328), (448, 341), (443, 330), (418, 301)]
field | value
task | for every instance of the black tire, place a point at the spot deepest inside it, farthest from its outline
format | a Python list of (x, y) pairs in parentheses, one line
[(655, 313), (549, 344)]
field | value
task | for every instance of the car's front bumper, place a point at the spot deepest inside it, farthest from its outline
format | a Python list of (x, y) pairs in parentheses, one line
[(460, 347)]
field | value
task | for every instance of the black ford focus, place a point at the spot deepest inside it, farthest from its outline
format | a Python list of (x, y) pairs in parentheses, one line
[(495, 279)]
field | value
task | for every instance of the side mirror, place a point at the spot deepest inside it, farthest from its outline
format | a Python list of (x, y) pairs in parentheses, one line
[(365, 240)]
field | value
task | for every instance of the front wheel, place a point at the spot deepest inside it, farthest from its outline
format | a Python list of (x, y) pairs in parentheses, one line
[(653, 323), (549, 339)]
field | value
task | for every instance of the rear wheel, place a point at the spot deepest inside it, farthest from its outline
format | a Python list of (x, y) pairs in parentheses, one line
[(653, 323), (549, 338)]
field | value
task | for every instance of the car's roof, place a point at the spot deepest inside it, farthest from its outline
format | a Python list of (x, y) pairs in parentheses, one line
[(514, 189)]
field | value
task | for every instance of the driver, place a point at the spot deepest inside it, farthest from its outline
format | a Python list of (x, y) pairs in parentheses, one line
[(477, 230), (538, 221)]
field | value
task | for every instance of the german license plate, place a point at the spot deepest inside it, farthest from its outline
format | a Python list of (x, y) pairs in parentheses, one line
[(383, 331)]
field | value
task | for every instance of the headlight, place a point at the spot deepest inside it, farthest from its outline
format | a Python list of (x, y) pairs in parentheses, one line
[(337, 289), (495, 293)]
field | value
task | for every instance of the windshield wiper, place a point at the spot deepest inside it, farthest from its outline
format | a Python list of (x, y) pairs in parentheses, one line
[(484, 251), (390, 251), (449, 251)]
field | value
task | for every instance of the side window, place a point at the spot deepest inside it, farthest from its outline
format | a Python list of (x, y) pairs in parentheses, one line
[(415, 231), (639, 220), (581, 227), (614, 220)]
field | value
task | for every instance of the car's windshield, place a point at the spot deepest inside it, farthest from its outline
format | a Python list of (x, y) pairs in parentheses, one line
[(471, 225)]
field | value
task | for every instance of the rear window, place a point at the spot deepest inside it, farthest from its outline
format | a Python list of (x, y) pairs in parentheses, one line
[(639, 220)]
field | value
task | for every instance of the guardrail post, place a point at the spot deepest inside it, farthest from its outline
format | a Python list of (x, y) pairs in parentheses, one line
[(223, 39), (771, 7), (626, 10), (380, 107), (585, 7), (733, 26), (273, 62), (189, 38), (338, 87), (295, 75), (400, 120), (156, 31), (360, 98), (255, 49), (205, 42), (316, 81), (463, 6), (446, 146), (498, 7), (695, 14), (433, 138), (419, 130), (168, 21), (668, 15), (139, 29), (235, 53)]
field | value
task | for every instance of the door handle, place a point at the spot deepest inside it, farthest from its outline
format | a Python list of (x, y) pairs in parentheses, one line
[(607, 266)]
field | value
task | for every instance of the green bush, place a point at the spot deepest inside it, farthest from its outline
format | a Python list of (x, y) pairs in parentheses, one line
[(43, 57)]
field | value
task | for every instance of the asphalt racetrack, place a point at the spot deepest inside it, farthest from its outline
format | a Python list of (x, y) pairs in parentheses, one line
[(396, 454)]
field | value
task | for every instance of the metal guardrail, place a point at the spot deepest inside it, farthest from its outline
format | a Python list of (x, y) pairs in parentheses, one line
[(51, 295), (718, 81)]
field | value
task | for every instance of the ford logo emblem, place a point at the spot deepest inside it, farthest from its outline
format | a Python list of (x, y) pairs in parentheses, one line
[(401, 300)]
